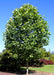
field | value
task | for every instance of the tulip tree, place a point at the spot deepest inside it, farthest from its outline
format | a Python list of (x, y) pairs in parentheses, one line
[(26, 32)]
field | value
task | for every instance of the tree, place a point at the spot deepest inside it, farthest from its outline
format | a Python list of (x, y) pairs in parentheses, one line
[(26, 32), (52, 58), (43, 53)]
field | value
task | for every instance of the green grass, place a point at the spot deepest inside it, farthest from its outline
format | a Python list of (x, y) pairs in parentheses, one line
[(45, 68)]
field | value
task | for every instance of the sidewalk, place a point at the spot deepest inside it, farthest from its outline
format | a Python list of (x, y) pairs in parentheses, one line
[(36, 73)]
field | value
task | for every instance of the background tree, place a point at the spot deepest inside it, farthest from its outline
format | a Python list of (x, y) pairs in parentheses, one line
[(0, 56), (52, 57), (26, 32), (45, 54)]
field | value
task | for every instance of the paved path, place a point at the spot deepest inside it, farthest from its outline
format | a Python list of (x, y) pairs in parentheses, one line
[(36, 73)]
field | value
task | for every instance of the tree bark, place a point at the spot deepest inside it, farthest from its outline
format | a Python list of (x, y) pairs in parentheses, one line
[(27, 69)]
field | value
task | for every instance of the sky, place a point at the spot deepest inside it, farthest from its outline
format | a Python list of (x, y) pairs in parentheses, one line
[(45, 7)]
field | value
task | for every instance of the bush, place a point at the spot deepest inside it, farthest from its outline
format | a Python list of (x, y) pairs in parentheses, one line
[(46, 62), (8, 62)]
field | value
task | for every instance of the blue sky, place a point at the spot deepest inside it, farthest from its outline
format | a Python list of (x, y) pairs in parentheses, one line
[(45, 7)]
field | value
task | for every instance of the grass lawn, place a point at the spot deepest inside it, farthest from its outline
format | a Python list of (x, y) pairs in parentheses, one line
[(45, 68)]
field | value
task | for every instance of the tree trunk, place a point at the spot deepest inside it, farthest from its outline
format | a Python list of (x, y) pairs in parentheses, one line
[(27, 69)]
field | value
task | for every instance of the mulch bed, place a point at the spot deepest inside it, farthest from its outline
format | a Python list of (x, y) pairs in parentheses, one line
[(31, 73)]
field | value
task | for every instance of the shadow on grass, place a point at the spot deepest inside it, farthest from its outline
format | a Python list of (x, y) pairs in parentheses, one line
[(21, 71)]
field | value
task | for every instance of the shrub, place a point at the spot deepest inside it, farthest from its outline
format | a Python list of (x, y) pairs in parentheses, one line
[(46, 62), (8, 62)]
